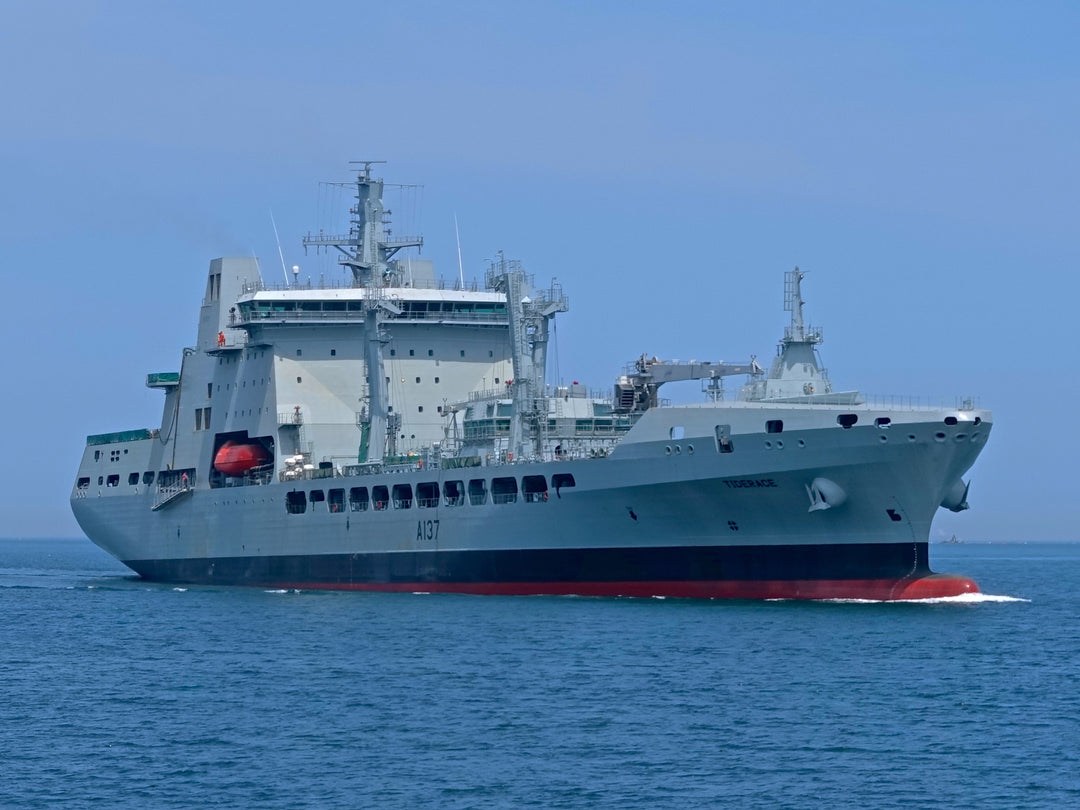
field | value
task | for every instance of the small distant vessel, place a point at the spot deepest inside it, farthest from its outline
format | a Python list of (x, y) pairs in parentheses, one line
[(391, 430)]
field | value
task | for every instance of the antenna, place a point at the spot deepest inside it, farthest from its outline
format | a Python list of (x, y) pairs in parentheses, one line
[(258, 267), (281, 255), (461, 271)]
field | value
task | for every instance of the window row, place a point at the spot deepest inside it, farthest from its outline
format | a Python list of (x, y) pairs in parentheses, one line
[(533, 489), (167, 478)]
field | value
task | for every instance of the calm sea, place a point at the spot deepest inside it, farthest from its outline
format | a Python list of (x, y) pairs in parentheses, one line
[(121, 694)]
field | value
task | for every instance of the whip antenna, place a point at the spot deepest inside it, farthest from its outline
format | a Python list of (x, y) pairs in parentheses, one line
[(281, 255), (461, 272)]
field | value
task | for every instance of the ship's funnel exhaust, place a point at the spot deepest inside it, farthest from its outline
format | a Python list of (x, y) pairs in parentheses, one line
[(955, 499), (824, 494)]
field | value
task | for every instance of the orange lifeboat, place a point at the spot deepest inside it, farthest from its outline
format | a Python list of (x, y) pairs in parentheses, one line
[(234, 458)]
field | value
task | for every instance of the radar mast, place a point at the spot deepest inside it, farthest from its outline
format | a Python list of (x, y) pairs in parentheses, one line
[(368, 248)]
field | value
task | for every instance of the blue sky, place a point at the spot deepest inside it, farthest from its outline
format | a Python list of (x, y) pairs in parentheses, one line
[(667, 162)]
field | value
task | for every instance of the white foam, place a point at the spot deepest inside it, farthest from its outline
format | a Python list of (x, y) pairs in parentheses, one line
[(280, 590), (180, 590), (960, 599), (969, 599)]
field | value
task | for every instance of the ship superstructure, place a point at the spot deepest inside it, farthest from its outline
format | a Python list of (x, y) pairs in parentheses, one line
[(394, 430)]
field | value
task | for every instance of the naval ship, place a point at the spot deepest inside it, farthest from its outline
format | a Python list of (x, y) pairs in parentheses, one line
[(396, 431)]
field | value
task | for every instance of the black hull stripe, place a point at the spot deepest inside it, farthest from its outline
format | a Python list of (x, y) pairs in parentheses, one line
[(863, 561)]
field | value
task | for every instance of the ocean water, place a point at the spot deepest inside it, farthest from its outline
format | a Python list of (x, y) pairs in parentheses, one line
[(122, 694)]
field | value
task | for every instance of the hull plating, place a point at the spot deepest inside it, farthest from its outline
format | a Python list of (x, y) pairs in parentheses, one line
[(849, 571)]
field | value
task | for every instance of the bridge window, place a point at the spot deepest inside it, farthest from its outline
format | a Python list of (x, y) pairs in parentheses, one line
[(381, 496), (504, 490), (723, 439), (402, 496), (454, 493), (113, 480), (560, 480), (477, 492), (317, 496), (133, 479), (337, 500), (427, 495), (358, 499), (534, 488), (84, 483), (295, 502)]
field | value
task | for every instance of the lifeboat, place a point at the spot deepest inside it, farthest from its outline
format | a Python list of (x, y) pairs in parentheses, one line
[(235, 458)]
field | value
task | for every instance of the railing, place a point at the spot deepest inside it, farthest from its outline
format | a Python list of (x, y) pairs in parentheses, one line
[(296, 417), (441, 283), (907, 402), (358, 315), (166, 495)]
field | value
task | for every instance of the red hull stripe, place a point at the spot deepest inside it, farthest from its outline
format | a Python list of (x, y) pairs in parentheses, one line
[(933, 586)]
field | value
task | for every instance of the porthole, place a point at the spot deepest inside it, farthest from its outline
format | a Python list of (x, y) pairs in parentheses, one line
[(768, 445), (667, 450), (975, 437), (960, 437), (939, 436), (779, 445), (678, 449), (690, 449), (802, 443), (911, 437), (883, 438)]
